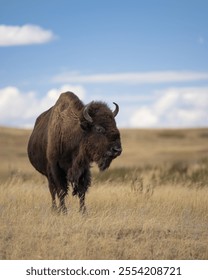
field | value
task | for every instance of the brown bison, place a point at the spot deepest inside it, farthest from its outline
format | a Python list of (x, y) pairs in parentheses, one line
[(67, 138)]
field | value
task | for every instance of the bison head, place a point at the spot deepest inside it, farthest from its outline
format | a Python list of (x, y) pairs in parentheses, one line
[(102, 138)]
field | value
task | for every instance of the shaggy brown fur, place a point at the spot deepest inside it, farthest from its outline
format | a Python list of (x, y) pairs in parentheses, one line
[(64, 143)]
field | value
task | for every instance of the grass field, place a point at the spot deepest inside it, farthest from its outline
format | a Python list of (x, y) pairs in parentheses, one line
[(151, 204)]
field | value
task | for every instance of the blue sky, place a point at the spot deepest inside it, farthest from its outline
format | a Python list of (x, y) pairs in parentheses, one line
[(151, 57)]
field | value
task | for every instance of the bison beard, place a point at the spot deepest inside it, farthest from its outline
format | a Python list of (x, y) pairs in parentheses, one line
[(67, 138), (105, 162)]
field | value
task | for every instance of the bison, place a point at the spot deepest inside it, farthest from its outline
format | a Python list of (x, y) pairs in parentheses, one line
[(66, 139)]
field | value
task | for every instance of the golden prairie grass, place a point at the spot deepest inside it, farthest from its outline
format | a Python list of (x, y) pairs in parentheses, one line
[(121, 223), (148, 206)]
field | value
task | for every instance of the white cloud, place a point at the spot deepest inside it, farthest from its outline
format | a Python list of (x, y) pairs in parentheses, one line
[(144, 117), (53, 94), (21, 109), (175, 107), (172, 107), (133, 78), (24, 35), (166, 101)]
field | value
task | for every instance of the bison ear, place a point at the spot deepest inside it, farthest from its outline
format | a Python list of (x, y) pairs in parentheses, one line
[(85, 125)]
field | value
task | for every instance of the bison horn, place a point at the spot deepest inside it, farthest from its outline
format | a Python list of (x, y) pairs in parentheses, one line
[(115, 112), (86, 114)]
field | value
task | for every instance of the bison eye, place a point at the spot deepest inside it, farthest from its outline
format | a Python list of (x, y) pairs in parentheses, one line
[(100, 129)]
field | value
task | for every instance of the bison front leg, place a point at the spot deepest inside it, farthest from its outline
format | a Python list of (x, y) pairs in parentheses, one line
[(80, 180), (77, 190), (83, 184)]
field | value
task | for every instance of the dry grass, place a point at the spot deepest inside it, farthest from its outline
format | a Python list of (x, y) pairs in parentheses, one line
[(152, 204)]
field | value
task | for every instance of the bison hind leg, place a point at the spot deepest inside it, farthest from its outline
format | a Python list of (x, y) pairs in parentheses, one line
[(62, 207), (58, 186), (52, 189), (82, 207)]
